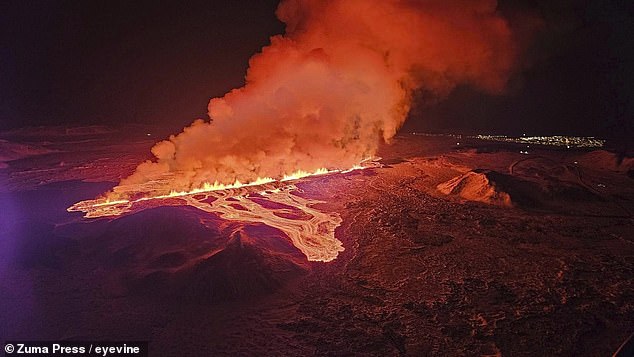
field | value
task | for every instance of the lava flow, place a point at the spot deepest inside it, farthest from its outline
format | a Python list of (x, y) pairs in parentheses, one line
[(275, 203)]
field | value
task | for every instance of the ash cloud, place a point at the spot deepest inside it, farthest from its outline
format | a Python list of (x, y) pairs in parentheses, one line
[(336, 84)]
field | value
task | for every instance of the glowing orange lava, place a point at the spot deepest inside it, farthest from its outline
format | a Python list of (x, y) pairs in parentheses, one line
[(276, 203)]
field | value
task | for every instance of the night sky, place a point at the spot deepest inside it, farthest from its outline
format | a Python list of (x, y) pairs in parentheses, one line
[(113, 62)]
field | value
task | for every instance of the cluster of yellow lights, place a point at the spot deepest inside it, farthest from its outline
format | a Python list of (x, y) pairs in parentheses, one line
[(216, 186), (554, 140)]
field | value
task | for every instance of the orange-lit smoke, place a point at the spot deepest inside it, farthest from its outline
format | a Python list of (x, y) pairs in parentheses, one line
[(324, 94)]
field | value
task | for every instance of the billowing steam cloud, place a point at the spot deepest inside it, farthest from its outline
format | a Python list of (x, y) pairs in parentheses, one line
[(332, 87)]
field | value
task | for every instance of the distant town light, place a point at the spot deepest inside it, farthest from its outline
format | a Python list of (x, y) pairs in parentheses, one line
[(556, 140)]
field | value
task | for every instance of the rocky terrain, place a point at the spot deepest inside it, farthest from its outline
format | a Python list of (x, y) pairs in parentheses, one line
[(469, 250)]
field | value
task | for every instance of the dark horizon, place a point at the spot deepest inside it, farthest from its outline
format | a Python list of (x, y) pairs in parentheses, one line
[(111, 63)]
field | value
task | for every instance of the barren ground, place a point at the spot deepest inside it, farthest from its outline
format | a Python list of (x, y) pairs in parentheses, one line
[(422, 273)]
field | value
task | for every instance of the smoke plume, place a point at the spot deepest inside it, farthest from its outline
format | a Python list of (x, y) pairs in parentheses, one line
[(336, 84)]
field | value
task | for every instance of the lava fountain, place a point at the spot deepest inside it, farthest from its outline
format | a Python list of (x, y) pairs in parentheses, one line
[(322, 95)]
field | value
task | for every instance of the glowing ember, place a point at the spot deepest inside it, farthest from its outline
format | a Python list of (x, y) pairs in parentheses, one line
[(275, 203)]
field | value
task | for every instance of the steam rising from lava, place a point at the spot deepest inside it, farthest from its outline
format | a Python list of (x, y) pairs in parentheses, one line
[(318, 100), (324, 94)]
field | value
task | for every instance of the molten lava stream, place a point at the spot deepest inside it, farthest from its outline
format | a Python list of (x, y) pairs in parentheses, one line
[(314, 236), (265, 201)]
